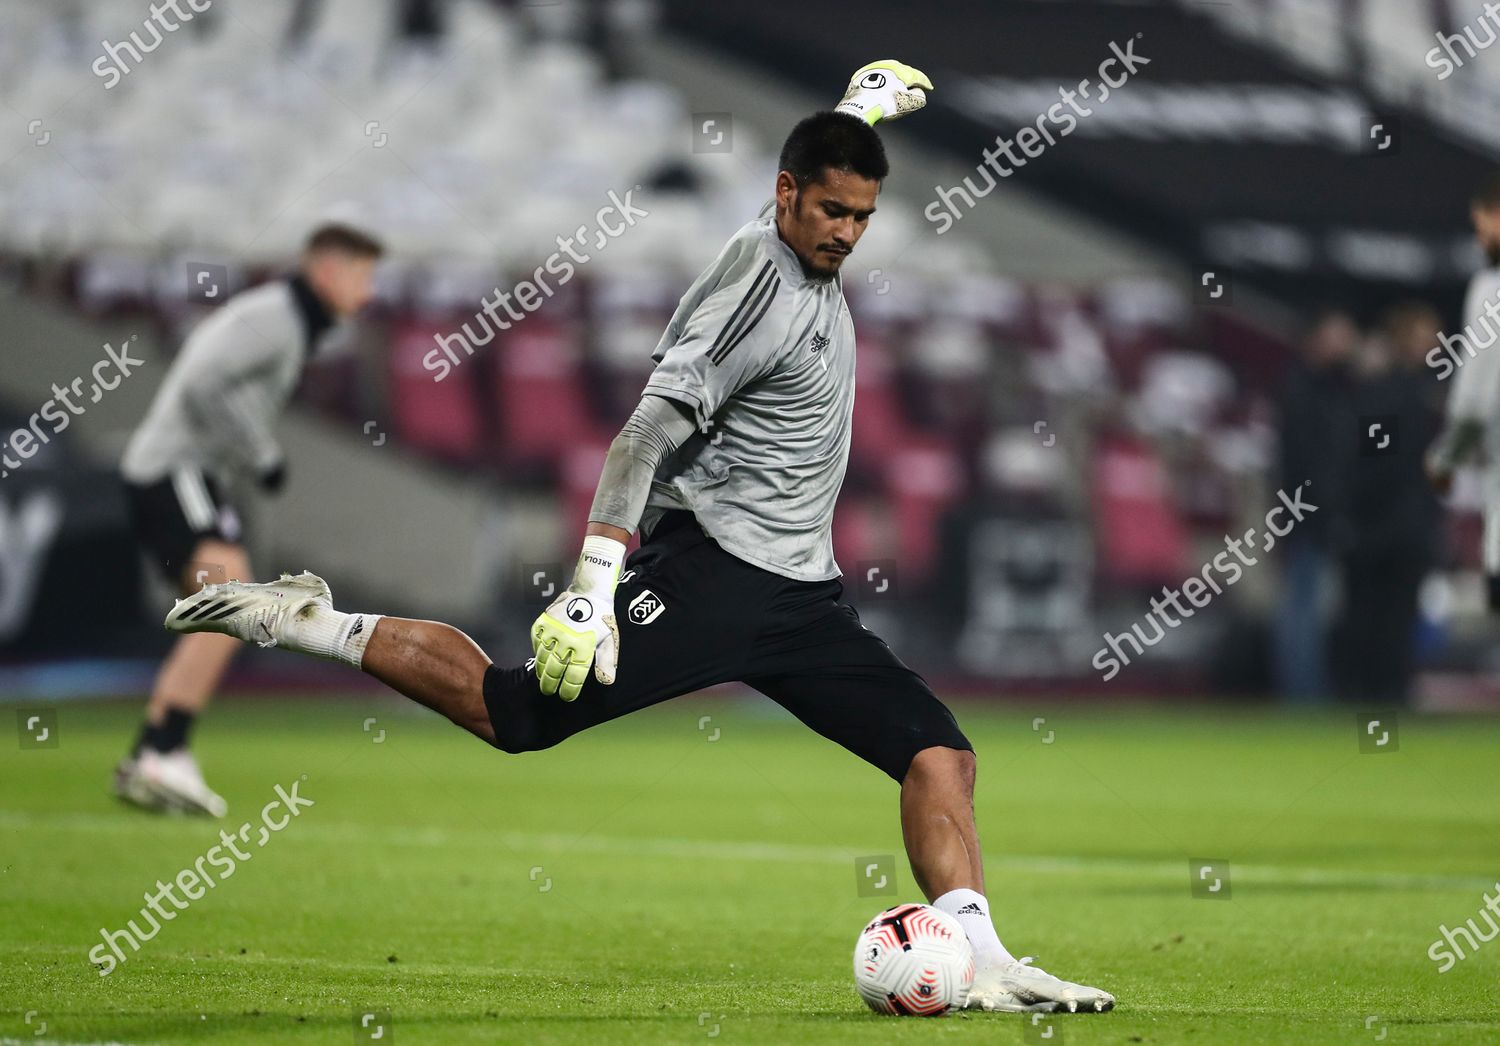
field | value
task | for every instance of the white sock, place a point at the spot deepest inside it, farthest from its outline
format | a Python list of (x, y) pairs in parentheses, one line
[(325, 632), (973, 913)]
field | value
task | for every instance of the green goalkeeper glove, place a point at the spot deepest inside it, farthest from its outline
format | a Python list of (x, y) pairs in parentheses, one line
[(885, 90), (578, 629)]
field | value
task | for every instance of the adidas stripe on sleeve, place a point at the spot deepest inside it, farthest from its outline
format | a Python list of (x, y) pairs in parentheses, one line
[(726, 333)]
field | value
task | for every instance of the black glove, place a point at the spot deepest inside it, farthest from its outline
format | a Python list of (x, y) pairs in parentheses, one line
[(274, 478)]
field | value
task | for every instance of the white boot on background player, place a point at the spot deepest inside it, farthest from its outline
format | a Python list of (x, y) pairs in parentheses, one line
[(168, 782)]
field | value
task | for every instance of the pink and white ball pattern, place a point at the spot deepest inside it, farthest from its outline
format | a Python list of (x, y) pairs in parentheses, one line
[(913, 960)]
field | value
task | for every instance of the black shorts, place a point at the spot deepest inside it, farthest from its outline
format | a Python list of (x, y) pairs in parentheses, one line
[(691, 615), (173, 514)]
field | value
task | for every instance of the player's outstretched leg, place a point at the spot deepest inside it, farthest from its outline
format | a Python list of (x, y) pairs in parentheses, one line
[(937, 823), (433, 664)]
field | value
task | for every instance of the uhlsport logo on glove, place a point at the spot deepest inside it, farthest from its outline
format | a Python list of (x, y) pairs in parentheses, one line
[(885, 90), (577, 631)]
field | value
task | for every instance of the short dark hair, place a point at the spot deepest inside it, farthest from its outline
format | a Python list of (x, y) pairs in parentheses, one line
[(344, 238), (1487, 193), (837, 140)]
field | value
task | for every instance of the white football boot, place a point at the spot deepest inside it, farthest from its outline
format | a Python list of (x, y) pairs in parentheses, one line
[(250, 612), (131, 787), (167, 782), (1019, 987)]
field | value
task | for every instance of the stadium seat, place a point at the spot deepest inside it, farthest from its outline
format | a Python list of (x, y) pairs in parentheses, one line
[(1142, 540), (924, 477), (880, 423), (440, 418), (539, 396)]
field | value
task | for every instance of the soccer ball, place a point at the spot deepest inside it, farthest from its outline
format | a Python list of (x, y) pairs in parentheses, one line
[(913, 960)]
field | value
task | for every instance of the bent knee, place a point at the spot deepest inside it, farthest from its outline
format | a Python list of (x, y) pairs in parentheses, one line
[(513, 743), (513, 734), (938, 762), (943, 756)]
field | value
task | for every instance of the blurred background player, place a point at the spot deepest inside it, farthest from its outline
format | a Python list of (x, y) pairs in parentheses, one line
[(1471, 434), (214, 418)]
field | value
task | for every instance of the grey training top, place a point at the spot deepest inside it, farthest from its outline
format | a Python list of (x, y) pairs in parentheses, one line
[(763, 356), (217, 407)]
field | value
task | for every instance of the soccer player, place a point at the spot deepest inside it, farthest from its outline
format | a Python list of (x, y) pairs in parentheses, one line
[(735, 578), (215, 415), (1472, 360)]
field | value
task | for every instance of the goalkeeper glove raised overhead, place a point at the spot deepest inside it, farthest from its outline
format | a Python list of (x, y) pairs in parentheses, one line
[(885, 90), (578, 630)]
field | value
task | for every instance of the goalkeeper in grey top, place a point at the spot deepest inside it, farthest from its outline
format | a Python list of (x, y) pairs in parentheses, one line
[(729, 467), (759, 361)]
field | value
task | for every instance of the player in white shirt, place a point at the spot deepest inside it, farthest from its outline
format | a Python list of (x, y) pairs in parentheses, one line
[(1471, 360)]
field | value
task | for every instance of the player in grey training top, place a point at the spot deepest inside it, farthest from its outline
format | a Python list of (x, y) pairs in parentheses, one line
[(216, 412), (729, 466), (214, 417)]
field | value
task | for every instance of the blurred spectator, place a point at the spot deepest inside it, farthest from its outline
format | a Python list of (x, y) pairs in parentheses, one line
[(1392, 518), (1316, 418)]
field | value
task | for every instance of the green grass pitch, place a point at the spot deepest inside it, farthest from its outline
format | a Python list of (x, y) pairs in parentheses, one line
[(672, 879)]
